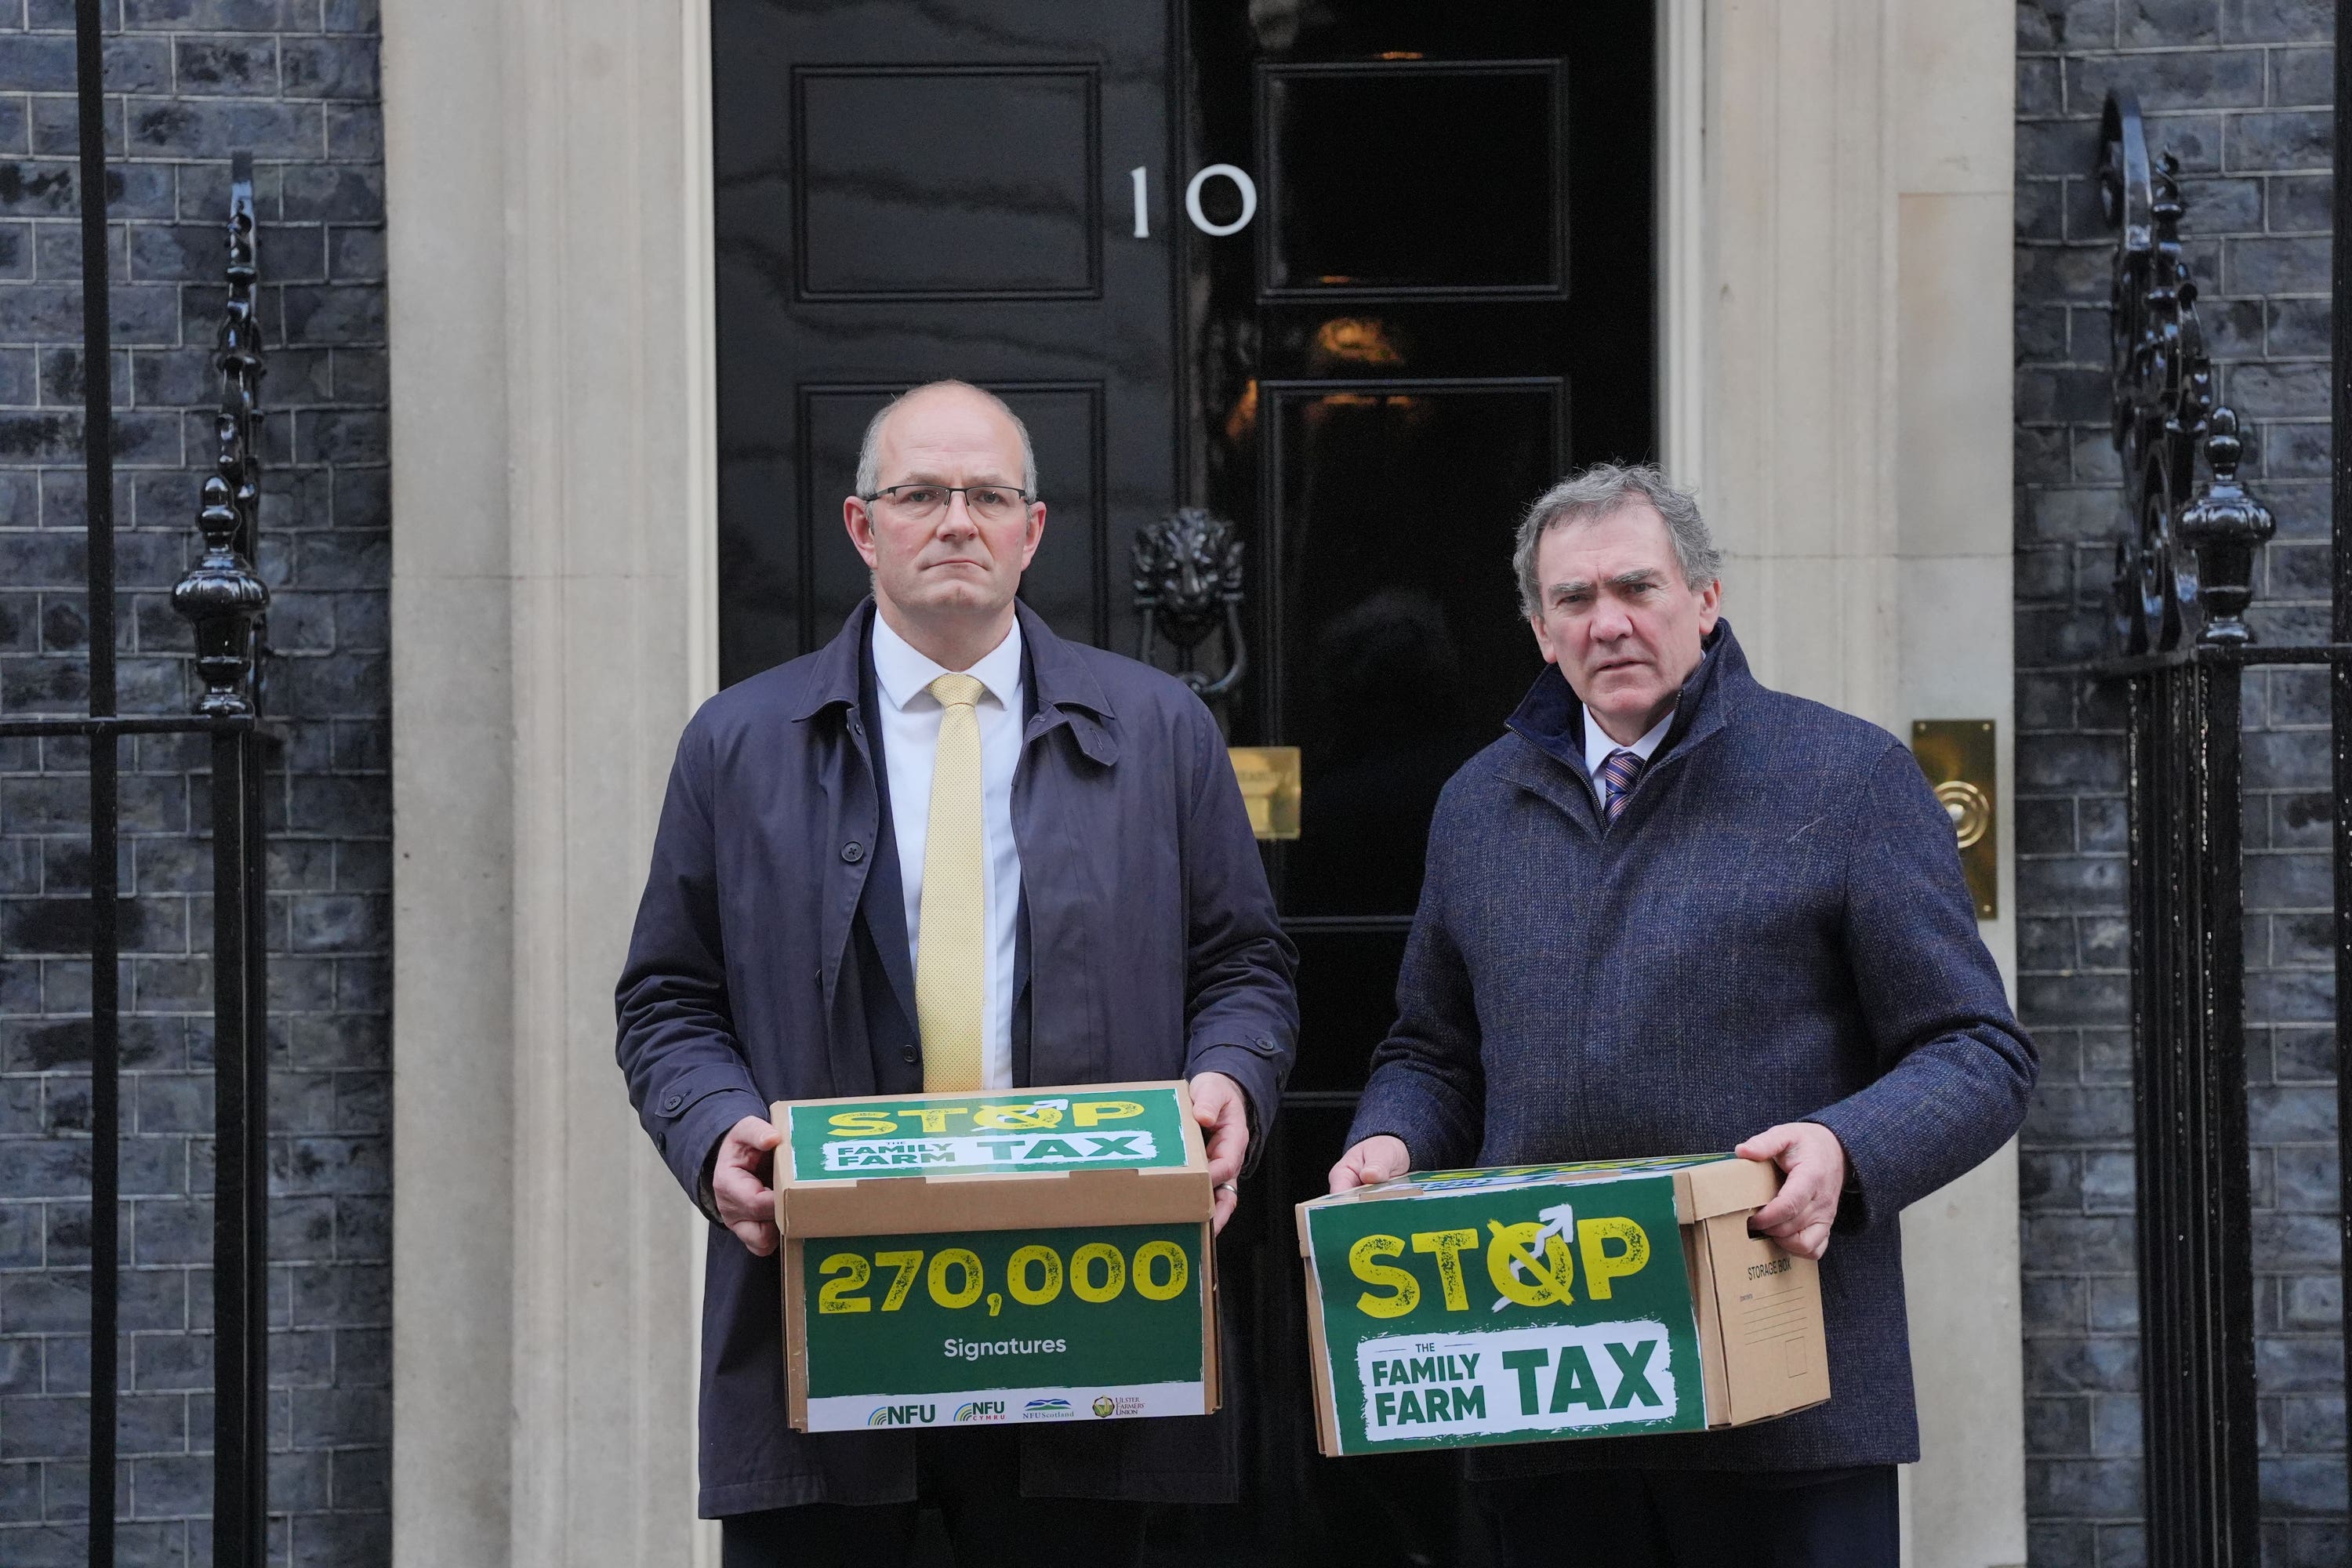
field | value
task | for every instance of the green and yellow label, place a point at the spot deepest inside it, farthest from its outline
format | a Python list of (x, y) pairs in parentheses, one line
[(1016, 1325), (1502, 1308), (1059, 1130)]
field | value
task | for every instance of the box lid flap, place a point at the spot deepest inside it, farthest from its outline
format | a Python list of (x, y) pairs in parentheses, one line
[(1092, 1127), (1724, 1186), (1096, 1153)]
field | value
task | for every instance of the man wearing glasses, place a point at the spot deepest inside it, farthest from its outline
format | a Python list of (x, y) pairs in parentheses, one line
[(947, 851)]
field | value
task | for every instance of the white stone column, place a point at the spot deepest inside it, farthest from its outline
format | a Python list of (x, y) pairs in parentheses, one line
[(1955, 76), (550, 244)]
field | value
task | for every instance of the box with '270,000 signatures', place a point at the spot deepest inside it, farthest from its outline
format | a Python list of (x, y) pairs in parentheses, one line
[(974, 1258)]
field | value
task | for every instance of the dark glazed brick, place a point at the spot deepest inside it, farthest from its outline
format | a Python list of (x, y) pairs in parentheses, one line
[(2065, 24), (2224, 79), (193, 80), (2303, 77), (331, 68), (201, 128), (241, 67), (2293, 138), (218, 16), (2170, 21), (2277, 21)]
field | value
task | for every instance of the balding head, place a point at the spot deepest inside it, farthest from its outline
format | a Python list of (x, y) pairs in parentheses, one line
[(946, 515), (949, 399)]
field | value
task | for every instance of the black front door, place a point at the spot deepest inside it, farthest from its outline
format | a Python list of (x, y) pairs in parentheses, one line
[(1419, 290)]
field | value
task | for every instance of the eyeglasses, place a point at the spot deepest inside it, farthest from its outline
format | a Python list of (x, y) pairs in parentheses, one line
[(920, 503)]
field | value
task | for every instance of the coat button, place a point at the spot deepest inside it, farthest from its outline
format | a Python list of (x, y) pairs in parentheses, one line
[(672, 1102), (908, 1056), (852, 852)]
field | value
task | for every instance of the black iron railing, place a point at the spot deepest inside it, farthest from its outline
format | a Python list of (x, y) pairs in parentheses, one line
[(2183, 581), (224, 599)]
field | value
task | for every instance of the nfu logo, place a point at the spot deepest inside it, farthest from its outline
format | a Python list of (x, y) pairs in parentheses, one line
[(982, 1410), (903, 1415)]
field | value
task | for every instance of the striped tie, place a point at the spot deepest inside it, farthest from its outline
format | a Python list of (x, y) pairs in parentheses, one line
[(1617, 776), (950, 946)]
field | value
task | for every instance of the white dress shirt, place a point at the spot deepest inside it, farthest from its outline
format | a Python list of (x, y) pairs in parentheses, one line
[(910, 744), (1597, 747)]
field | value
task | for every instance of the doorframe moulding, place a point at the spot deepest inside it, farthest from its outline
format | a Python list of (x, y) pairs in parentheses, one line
[(548, 193)]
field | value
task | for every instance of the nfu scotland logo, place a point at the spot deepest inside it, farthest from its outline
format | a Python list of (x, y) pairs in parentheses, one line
[(1046, 1409)]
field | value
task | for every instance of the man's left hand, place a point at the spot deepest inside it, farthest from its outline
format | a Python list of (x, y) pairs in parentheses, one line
[(1223, 1115), (1813, 1162)]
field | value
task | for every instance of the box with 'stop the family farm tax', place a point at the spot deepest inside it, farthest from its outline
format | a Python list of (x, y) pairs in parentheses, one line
[(1540, 1303), (1040, 1255)]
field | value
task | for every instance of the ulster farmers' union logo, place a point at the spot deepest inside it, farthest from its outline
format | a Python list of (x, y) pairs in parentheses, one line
[(1103, 1405)]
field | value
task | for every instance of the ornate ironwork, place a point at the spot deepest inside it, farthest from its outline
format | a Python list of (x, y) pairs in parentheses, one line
[(2184, 578), (1188, 584), (2184, 566), (221, 594)]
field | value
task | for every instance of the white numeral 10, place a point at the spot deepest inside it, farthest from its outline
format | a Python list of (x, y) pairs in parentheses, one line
[(1242, 183)]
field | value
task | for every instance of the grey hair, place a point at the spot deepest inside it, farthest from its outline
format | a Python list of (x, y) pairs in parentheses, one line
[(869, 451), (1598, 491)]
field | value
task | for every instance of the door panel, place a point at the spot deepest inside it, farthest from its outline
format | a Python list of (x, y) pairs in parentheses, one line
[(949, 181), (1367, 198), (1380, 667)]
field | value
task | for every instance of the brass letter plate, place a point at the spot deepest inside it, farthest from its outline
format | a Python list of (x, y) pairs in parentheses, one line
[(1270, 783), (1957, 756)]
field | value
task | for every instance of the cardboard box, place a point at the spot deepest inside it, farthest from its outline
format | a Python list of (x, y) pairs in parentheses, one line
[(1043, 1255), (1533, 1303)]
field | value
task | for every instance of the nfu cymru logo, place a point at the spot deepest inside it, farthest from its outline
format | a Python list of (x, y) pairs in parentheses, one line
[(982, 1410)]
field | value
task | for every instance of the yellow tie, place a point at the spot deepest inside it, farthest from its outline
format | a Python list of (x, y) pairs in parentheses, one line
[(952, 948)]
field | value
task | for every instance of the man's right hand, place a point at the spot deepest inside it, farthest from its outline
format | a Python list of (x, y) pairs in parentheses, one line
[(1383, 1157), (739, 1184)]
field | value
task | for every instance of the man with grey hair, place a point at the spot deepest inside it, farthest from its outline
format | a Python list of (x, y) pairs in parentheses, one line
[(947, 852), (1672, 911)]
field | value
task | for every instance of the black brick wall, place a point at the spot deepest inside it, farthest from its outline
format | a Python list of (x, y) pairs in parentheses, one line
[(2240, 90), (190, 81)]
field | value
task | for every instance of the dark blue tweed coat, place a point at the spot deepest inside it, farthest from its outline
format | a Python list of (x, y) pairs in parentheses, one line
[(1775, 930)]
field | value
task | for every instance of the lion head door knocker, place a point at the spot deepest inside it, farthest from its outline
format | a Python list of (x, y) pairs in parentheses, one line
[(1188, 585)]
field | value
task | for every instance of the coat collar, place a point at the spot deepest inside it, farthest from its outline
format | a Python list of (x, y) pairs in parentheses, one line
[(1551, 717), (1067, 690)]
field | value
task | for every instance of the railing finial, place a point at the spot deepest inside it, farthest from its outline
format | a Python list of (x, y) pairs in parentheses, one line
[(2180, 560), (221, 594)]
